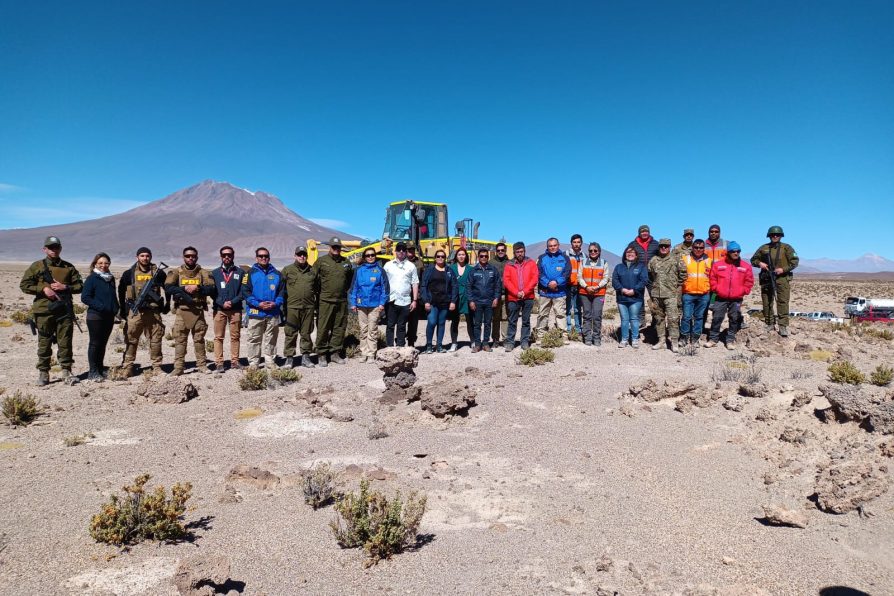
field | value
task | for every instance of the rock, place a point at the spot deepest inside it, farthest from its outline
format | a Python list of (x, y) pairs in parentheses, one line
[(701, 397), (802, 398), (779, 515), (380, 474), (230, 495), (626, 409), (403, 379), (604, 563), (168, 390), (753, 389), (765, 414), (651, 391), (333, 413), (376, 430), (392, 360), (887, 448), (850, 402), (734, 403), (254, 476), (448, 400), (202, 575), (847, 485), (794, 435), (728, 561), (803, 347), (396, 395)]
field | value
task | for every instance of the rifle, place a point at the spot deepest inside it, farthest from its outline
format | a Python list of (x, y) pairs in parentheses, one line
[(148, 291), (771, 271), (32, 325), (64, 297)]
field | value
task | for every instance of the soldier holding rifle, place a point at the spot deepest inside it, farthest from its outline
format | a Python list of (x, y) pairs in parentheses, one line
[(776, 260)]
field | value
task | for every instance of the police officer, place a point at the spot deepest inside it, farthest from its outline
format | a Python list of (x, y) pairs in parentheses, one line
[(300, 300), (148, 319), (52, 282), (334, 275), (776, 259), (190, 286)]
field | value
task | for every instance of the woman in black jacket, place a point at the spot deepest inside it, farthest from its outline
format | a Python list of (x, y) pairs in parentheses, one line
[(102, 302)]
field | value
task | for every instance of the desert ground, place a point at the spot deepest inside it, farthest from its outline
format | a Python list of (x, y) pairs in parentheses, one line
[(605, 472)]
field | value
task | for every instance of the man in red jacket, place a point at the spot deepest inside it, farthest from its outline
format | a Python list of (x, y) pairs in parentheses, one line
[(520, 278), (731, 280)]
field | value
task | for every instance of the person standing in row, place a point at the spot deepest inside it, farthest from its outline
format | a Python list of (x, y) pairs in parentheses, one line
[(575, 254), (368, 297), (230, 284), (731, 280), (629, 280), (666, 276), (300, 301), (147, 320), (645, 247), (485, 287), (555, 270), (264, 295), (189, 285), (776, 260), (52, 282), (416, 314), (685, 247), (102, 307), (403, 284), (440, 292), (696, 293), (334, 276), (520, 278), (500, 320), (461, 271), (592, 282), (715, 246)]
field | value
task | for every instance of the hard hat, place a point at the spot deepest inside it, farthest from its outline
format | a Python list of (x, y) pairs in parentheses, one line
[(775, 230)]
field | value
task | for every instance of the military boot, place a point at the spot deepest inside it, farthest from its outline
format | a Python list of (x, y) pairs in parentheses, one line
[(306, 362), (289, 363), (783, 331), (178, 370), (43, 378)]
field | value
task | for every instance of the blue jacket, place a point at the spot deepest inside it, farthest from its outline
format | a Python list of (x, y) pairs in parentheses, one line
[(485, 284), (370, 286), (233, 290), (633, 277), (264, 286), (555, 268), (452, 285), (99, 296)]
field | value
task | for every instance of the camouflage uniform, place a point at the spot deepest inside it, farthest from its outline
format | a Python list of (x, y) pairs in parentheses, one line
[(56, 322), (667, 277), (333, 282), (190, 313), (781, 255)]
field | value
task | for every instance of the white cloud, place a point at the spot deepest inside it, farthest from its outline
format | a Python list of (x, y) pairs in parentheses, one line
[(10, 188), (42, 212), (336, 224)]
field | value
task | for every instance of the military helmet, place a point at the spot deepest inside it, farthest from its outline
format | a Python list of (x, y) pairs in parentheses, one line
[(775, 230)]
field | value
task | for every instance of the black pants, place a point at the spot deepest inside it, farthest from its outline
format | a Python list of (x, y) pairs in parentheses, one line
[(397, 316), (100, 330), (413, 323), (453, 316), (519, 308)]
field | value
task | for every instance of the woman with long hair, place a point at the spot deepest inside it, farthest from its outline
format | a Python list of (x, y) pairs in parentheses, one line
[(102, 304), (440, 292), (461, 270)]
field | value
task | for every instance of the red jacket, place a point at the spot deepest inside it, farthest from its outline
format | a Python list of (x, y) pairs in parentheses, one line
[(731, 281), (520, 277)]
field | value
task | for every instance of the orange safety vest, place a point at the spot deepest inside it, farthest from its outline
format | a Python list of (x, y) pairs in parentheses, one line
[(697, 281), (574, 263), (716, 253), (592, 277)]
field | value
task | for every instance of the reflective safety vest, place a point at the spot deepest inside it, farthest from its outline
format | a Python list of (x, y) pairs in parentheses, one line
[(592, 276), (716, 252), (697, 271), (575, 261)]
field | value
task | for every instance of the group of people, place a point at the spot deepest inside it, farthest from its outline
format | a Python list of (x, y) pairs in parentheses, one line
[(496, 296)]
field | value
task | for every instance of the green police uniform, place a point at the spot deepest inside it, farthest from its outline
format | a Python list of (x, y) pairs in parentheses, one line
[(781, 255), (190, 312), (147, 320), (333, 282), (300, 304), (52, 321)]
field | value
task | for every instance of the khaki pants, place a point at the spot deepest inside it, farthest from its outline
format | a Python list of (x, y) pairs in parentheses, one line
[(223, 319), (369, 331), (552, 313), (500, 321), (262, 333), (665, 316), (146, 321), (188, 322)]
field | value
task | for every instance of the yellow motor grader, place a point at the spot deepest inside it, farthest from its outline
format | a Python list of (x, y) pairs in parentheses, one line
[(420, 223)]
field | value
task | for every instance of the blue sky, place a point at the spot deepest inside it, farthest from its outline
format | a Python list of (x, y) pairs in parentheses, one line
[(536, 118)]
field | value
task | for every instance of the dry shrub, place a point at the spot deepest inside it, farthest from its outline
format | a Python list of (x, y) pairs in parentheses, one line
[(209, 345), (284, 376), (610, 314), (21, 409), (76, 440), (20, 316), (5, 323), (845, 372), (536, 356), (79, 309), (882, 375), (254, 380), (382, 526), (137, 515), (878, 333), (318, 485), (821, 355), (552, 339), (574, 335)]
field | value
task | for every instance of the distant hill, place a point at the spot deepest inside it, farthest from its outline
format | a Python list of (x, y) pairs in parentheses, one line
[(536, 249), (208, 215), (868, 263)]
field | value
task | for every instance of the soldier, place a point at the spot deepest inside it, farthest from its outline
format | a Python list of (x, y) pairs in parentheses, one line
[(190, 286), (300, 280), (685, 247), (776, 260), (416, 313), (334, 275), (52, 282), (230, 283), (265, 298), (148, 318), (666, 276), (501, 319)]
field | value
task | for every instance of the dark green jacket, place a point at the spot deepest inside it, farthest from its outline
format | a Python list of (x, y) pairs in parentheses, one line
[(333, 278), (33, 281), (782, 255), (300, 286)]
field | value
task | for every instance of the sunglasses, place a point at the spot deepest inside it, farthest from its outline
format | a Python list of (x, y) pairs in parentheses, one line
[(371, 255), (734, 251), (263, 256), (698, 248), (440, 256), (226, 255), (501, 250), (594, 250)]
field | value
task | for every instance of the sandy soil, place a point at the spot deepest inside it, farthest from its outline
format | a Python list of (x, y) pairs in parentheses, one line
[(559, 480)]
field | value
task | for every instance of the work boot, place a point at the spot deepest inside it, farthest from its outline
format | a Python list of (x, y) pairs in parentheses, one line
[(525, 345), (730, 345), (289, 363), (203, 368), (219, 368), (673, 348), (323, 363), (771, 328), (475, 348), (486, 347), (43, 378), (710, 344), (337, 359), (783, 331), (306, 363), (235, 365), (176, 372), (509, 346), (657, 346), (156, 369), (635, 344)]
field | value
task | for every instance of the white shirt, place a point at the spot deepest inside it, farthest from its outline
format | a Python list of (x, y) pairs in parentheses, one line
[(402, 276)]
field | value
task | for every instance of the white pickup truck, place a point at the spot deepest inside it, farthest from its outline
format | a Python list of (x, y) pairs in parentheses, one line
[(826, 316)]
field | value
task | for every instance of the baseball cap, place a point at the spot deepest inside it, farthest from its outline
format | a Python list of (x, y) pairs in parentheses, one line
[(335, 241), (643, 228), (300, 250), (400, 246), (689, 231)]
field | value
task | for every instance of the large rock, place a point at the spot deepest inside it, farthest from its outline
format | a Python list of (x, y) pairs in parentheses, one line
[(403, 379), (850, 402), (202, 575), (448, 399), (397, 364), (394, 360), (846, 486), (169, 390)]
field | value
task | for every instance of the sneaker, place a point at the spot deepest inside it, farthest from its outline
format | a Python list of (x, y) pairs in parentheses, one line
[(323, 362), (429, 350), (771, 328), (43, 378), (454, 347), (475, 349), (219, 369), (306, 363), (783, 332), (486, 347), (236, 365), (622, 344), (730, 345), (95, 377), (442, 350), (337, 359), (710, 344), (509, 345), (525, 345), (635, 344), (289, 363)]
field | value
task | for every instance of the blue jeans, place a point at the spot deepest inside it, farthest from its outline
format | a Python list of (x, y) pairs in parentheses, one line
[(630, 321), (573, 314), (437, 319), (516, 309), (481, 321), (693, 322)]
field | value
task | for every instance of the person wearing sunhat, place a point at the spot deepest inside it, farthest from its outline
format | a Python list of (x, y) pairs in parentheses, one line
[(301, 300), (334, 275), (52, 282)]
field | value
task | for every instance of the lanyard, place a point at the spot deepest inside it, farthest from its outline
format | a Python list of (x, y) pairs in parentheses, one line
[(227, 277)]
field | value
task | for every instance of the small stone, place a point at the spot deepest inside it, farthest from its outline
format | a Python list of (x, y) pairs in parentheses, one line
[(779, 515)]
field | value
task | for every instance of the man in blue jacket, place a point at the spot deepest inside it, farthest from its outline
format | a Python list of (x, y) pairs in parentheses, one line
[(229, 291), (555, 271), (485, 288), (264, 296)]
